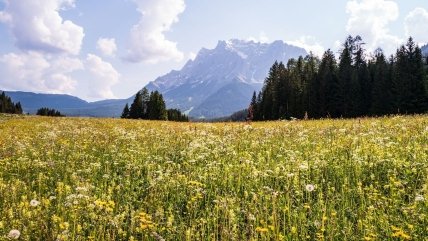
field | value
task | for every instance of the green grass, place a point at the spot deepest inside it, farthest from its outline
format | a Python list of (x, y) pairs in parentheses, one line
[(106, 179)]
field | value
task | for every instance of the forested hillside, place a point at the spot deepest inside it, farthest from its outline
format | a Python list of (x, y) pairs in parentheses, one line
[(7, 106), (358, 84)]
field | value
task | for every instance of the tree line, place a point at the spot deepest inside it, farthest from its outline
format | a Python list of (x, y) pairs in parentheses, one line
[(356, 85), (151, 107), (7, 106), (49, 112)]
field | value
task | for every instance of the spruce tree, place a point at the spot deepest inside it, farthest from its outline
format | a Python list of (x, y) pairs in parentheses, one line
[(327, 89), (361, 92), (145, 98), (156, 107), (381, 93), (125, 112), (137, 111), (410, 82), (7, 105)]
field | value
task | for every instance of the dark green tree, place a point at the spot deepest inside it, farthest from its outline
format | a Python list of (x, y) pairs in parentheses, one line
[(8, 106), (137, 110), (410, 87), (125, 112), (327, 87), (381, 99), (48, 112), (176, 115), (156, 107)]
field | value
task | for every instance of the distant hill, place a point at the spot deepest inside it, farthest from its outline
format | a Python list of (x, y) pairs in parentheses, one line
[(67, 104)]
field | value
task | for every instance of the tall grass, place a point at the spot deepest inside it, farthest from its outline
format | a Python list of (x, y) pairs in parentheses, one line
[(106, 179)]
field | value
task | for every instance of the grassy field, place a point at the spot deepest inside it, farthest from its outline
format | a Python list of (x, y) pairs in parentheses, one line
[(107, 179)]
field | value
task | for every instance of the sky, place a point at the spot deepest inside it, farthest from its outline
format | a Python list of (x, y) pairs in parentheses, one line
[(107, 49)]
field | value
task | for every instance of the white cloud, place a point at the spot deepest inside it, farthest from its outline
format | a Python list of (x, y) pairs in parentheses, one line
[(310, 44), (416, 25), (33, 71), (370, 19), (263, 38), (107, 46), (147, 39), (37, 26), (5, 17), (103, 77)]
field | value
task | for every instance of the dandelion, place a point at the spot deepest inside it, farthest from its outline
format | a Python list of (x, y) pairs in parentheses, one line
[(34, 203), (261, 230), (310, 187), (293, 230), (14, 234), (399, 233)]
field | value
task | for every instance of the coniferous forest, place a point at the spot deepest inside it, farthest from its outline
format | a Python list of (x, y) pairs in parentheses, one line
[(7, 106), (49, 112), (356, 85), (151, 107)]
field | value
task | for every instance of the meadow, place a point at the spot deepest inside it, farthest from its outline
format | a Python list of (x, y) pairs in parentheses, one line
[(111, 179)]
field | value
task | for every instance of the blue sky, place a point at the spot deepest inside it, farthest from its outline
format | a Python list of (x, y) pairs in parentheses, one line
[(111, 48)]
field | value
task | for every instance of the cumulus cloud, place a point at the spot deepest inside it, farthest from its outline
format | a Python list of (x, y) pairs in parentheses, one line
[(416, 25), (107, 46), (103, 77), (147, 38), (370, 19), (37, 26), (47, 73), (33, 71), (310, 44)]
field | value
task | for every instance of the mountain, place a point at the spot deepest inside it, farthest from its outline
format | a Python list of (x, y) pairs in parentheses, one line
[(217, 83), (221, 81), (67, 104)]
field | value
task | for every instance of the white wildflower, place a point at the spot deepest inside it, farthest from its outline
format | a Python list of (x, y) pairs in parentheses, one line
[(310, 187), (14, 234), (34, 203), (419, 198)]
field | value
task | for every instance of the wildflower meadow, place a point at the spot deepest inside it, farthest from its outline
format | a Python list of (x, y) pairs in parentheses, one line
[(111, 179)]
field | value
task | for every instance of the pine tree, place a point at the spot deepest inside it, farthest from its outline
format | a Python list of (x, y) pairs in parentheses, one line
[(252, 109), (145, 98), (269, 91), (410, 83), (48, 112), (362, 87), (310, 104), (7, 106), (125, 112), (176, 115), (327, 88), (137, 110), (156, 107), (381, 93)]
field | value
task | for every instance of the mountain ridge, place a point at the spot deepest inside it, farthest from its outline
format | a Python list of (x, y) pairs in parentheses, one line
[(234, 62)]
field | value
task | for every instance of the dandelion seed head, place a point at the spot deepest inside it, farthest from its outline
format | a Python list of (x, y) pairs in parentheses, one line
[(34, 203), (14, 234), (310, 187)]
